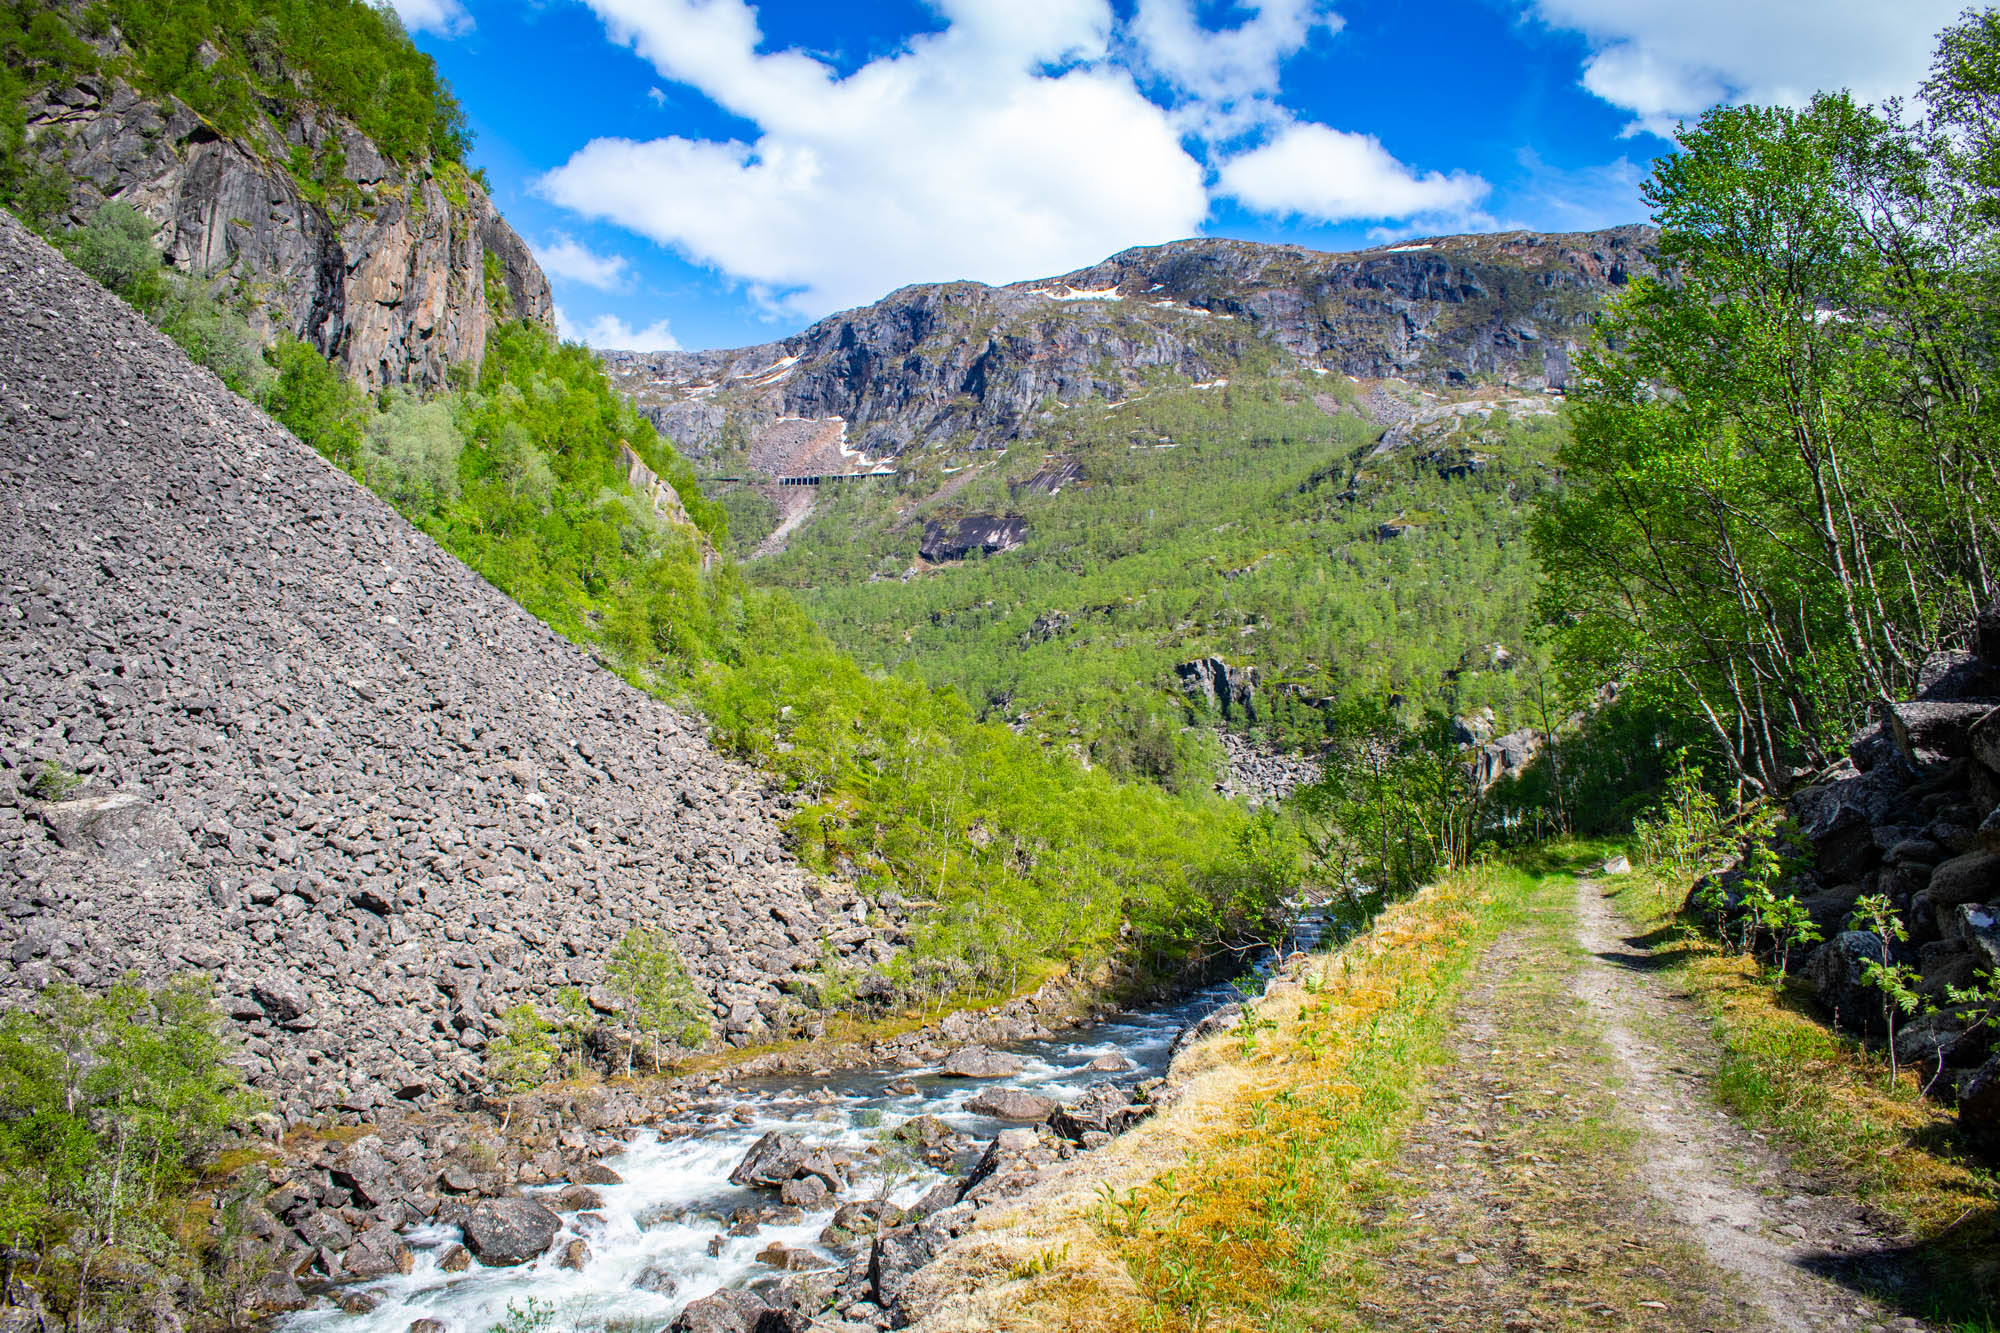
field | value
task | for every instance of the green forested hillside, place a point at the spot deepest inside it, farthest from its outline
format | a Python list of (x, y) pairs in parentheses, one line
[(1247, 521)]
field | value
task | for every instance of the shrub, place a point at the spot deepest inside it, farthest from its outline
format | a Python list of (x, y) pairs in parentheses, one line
[(116, 247), (109, 1105), (660, 1000)]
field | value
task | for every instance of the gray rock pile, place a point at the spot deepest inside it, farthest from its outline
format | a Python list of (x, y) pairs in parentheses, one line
[(1262, 776), (1913, 814), (255, 724)]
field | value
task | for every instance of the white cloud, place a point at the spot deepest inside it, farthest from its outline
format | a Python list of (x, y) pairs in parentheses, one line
[(1229, 76), (563, 257), (1329, 175), (447, 18), (1670, 60), (1001, 147), (612, 334)]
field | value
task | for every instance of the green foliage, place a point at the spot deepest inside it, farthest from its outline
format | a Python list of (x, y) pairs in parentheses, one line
[(1684, 823), (237, 63), (661, 1002), (1896, 981), (1242, 522), (1395, 806), (109, 1105), (1782, 474), (524, 1054), (309, 398), (116, 247), (53, 782), (410, 452)]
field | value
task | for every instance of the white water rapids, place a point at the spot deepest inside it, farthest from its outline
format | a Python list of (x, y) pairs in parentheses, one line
[(855, 1111)]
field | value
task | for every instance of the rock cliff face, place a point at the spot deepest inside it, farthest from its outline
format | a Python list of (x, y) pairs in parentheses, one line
[(969, 364), (392, 284), (319, 758)]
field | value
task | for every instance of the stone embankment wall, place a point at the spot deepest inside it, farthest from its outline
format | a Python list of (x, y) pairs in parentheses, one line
[(1913, 814), (321, 759)]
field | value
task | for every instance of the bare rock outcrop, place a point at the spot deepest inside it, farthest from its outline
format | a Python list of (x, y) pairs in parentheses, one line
[(943, 362), (253, 723), (393, 285)]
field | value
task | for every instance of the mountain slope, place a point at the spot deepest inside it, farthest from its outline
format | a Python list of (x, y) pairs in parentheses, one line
[(240, 136), (1064, 497), (322, 759), (975, 366)]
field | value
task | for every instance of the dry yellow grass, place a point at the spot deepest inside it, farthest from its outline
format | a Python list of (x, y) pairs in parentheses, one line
[(1222, 1209)]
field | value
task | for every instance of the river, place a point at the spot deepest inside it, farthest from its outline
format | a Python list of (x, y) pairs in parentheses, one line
[(674, 1170)]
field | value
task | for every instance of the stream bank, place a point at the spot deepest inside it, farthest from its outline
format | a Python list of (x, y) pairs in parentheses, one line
[(631, 1206)]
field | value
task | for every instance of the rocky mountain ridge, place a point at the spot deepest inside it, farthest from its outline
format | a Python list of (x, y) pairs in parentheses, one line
[(397, 275), (253, 723), (966, 364)]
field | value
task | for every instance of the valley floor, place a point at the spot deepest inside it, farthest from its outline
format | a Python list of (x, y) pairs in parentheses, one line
[(1501, 1109)]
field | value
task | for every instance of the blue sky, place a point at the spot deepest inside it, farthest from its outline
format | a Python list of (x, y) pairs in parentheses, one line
[(711, 173)]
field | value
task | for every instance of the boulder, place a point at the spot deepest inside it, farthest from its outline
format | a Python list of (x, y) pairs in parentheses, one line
[(1104, 1107), (1977, 926), (575, 1254), (1979, 1106), (1011, 1104), (1972, 878), (1945, 1037), (893, 1259), (1930, 735), (1983, 741), (124, 830), (362, 1169), (724, 1311), (595, 1173), (454, 1259), (282, 997), (771, 1161), (376, 1252), (979, 1062), (808, 1192), (502, 1232), (577, 1198), (1838, 818), (656, 1279), (1836, 973)]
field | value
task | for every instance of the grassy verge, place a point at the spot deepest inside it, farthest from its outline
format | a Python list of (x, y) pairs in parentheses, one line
[(1228, 1210), (1829, 1097)]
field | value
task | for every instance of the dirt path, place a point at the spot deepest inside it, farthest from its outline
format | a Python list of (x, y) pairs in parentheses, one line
[(1570, 1171), (1802, 1257), (1514, 1206)]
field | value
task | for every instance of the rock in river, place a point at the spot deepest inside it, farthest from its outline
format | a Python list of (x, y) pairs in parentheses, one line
[(1011, 1104), (509, 1231), (979, 1062)]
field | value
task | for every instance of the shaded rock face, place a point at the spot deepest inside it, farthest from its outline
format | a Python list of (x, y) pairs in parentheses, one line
[(1913, 814), (323, 761), (986, 533), (1214, 683), (932, 363), (394, 289)]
